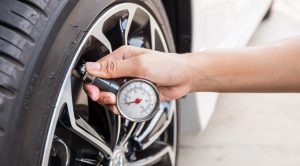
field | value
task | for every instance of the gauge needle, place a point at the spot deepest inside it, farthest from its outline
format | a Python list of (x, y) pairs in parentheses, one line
[(136, 101)]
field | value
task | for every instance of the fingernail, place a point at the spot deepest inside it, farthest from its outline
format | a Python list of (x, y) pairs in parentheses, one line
[(92, 66)]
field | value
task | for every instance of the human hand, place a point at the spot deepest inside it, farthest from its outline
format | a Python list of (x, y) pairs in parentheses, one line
[(170, 72)]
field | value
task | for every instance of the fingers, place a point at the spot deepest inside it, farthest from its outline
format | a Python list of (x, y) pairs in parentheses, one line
[(107, 99), (126, 52), (113, 68), (120, 63), (102, 97), (92, 91), (113, 108)]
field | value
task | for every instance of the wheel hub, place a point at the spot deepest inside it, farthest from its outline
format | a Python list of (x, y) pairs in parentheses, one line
[(118, 158)]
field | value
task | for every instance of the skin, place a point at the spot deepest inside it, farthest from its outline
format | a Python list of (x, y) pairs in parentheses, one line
[(268, 68)]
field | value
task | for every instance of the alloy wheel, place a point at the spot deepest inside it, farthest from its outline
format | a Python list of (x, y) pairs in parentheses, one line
[(83, 132)]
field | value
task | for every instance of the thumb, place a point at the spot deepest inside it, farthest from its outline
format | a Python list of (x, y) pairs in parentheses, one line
[(113, 68)]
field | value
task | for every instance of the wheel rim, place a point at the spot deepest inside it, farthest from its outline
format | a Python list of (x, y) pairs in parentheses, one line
[(82, 132)]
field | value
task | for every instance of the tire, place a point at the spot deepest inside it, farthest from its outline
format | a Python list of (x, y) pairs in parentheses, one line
[(38, 43)]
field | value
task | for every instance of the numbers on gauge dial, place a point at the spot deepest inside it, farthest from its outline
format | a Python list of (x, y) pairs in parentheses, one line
[(137, 100)]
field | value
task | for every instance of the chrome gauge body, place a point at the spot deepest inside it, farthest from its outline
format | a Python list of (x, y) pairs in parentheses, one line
[(138, 100)]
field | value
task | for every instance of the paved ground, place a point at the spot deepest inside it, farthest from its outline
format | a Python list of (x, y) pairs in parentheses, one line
[(253, 129)]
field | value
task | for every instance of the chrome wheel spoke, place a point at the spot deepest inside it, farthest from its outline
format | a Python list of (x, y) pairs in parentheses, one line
[(87, 161), (157, 37), (150, 127), (131, 12), (155, 129), (77, 124), (152, 30), (96, 32), (167, 150), (85, 126), (128, 134), (139, 129), (119, 124)]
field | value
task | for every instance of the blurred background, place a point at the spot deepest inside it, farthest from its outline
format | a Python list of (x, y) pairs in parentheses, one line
[(252, 129)]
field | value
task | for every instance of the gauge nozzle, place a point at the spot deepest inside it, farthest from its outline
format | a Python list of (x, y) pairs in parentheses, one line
[(79, 71), (104, 84)]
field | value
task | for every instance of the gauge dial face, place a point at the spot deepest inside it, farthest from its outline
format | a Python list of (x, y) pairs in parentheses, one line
[(138, 100)]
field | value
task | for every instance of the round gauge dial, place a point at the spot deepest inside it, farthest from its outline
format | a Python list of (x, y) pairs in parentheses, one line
[(138, 100)]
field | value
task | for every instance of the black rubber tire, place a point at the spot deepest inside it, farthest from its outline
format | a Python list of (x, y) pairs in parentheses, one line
[(38, 39)]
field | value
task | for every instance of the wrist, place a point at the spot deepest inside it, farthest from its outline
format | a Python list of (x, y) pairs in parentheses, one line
[(191, 61), (201, 71)]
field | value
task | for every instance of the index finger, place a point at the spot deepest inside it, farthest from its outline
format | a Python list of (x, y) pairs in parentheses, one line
[(125, 52)]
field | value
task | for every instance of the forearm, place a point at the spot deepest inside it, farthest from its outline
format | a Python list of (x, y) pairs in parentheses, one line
[(270, 68)]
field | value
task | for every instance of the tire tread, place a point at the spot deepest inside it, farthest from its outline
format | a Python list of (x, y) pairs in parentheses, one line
[(38, 5), (18, 20)]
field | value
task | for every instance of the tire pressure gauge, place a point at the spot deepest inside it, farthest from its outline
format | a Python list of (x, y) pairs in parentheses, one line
[(137, 99)]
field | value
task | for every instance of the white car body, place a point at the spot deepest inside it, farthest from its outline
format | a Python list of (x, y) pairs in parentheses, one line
[(217, 24)]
